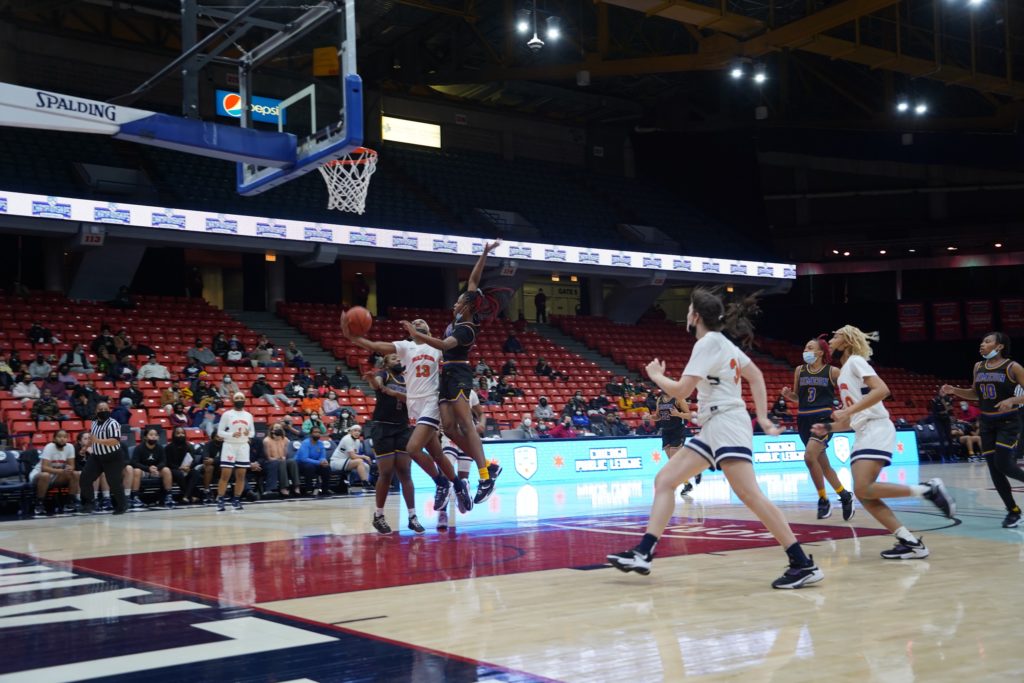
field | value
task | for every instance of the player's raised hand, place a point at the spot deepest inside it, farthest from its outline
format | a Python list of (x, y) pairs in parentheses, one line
[(344, 326), (410, 330), (491, 246), (947, 389)]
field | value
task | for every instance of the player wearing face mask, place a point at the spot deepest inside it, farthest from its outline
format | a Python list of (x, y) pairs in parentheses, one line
[(236, 428), (814, 391)]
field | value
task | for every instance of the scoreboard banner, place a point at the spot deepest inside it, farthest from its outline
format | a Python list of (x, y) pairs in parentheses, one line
[(590, 460), (269, 228)]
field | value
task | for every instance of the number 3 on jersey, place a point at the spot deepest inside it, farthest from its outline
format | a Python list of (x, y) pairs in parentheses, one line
[(734, 365), (423, 370)]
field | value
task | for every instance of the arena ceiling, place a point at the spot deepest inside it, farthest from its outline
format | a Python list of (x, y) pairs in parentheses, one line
[(656, 62)]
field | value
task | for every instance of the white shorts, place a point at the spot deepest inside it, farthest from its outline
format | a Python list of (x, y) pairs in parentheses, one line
[(725, 436), (453, 452), (234, 455), (874, 440), (424, 411), (339, 465)]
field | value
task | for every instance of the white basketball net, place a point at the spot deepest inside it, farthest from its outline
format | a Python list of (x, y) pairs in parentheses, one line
[(348, 180)]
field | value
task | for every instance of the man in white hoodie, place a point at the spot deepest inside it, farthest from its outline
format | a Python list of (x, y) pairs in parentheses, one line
[(236, 428)]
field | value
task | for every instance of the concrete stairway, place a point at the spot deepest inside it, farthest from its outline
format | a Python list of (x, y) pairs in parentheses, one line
[(558, 337), (280, 332)]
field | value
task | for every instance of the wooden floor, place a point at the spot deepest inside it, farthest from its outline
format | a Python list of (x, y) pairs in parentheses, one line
[(513, 597)]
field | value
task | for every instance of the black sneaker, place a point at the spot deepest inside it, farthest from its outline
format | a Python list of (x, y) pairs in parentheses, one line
[(221, 504), (696, 480), (632, 561), (687, 487), (40, 510), (107, 504), (1012, 520), (462, 498), (70, 509), (169, 501), (940, 496), (136, 503), (494, 469), (905, 550), (415, 525), (236, 503), (381, 524), (483, 491), (824, 509), (798, 577), (441, 496), (846, 500)]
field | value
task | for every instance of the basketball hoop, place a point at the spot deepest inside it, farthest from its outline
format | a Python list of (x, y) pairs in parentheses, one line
[(348, 179)]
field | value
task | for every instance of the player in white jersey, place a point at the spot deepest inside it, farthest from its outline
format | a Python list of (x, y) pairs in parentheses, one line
[(456, 455), (421, 367), (716, 368), (236, 428), (861, 392)]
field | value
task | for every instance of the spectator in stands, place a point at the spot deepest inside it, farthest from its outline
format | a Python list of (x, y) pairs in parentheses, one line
[(484, 393), (510, 368), (330, 407), (104, 340), (577, 402), (780, 411), (210, 464), (66, 376), (219, 345), (77, 359), (351, 455), (294, 389), (201, 354), (123, 412), (580, 420), (132, 391), (293, 355), (540, 302), (312, 422), (563, 430), (56, 467), (291, 432), (263, 391), (263, 357), (512, 344), (25, 389), (181, 457), (150, 462), (38, 334), (130, 348), (482, 368), (46, 408), (227, 388), (311, 403), (170, 395), (967, 412), (345, 420), (6, 372), (616, 426), (543, 409), (339, 380), (191, 371), (526, 426), (282, 471), (39, 368), (543, 431), (544, 369), (123, 299), (57, 389), (206, 420), (153, 370), (122, 370), (121, 341), (321, 380), (235, 354), (647, 426), (178, 417), (82, 407), (88, 389), (203, 395), (314, 465), (598, 424)]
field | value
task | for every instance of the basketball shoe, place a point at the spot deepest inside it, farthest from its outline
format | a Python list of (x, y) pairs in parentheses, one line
[(381, 524), (415, 525), (632, 561), (799, 576), (940, 496), (846, 500), (905, 550), (441, 495), (824, 508)]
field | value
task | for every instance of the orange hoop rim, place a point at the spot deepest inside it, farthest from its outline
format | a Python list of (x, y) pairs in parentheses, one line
[(357, 157)]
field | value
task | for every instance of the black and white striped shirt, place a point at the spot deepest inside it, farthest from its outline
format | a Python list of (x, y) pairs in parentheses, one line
[(107, 430)]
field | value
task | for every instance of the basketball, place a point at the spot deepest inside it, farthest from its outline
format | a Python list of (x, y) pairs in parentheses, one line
[(359, 320)]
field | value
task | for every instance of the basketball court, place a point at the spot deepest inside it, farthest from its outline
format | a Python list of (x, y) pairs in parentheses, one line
[(307, 590)]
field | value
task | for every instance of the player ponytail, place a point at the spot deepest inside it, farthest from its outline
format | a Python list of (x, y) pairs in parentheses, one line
[(487, 304), (826, 352), (857, 341), (736, 320)]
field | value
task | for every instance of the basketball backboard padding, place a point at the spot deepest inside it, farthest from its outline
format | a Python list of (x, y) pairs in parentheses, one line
[(266, 148)]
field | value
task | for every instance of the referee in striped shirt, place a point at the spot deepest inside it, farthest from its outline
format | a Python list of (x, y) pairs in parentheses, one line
[(106, 458)]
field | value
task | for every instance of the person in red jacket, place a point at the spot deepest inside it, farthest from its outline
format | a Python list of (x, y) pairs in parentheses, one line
[(563, 430)]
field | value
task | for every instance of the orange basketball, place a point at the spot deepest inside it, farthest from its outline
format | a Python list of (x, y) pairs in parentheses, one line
[(359, 320)]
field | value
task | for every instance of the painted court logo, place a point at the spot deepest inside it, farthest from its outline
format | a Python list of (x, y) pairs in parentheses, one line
[(526, 461), (317, 233), (268, 229), (111, 213), (555, 254), (588, 257), (405, 242), (682, 264), (221, 224), (167, 219), (446, 246), (51, 208), (364, 238)]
